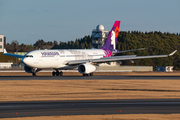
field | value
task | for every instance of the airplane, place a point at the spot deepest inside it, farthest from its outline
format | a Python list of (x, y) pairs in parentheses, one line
[(84, 60)]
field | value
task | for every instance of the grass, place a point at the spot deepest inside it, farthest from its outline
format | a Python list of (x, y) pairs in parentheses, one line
[(37, 90)]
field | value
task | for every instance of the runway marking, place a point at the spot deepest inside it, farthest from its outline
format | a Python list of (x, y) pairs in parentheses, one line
[(143, 90)]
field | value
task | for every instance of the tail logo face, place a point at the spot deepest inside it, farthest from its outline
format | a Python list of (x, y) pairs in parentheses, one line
[(114, 34), (113, 39)]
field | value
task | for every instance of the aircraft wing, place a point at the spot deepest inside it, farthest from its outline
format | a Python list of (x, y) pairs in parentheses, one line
[(13, 55), (116, 58)]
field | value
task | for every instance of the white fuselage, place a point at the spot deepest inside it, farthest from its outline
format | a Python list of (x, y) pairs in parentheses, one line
[(59, 58)]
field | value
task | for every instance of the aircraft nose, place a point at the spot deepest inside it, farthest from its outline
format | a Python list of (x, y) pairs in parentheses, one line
[(28, 61), (25, 60)]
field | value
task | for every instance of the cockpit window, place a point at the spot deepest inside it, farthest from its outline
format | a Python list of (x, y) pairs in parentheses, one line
[(28, 56)]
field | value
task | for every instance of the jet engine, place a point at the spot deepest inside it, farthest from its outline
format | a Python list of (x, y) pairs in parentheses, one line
[(86, 68), (28, 69)]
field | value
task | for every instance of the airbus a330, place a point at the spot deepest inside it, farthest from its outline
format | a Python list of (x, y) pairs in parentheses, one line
[(85, 60)]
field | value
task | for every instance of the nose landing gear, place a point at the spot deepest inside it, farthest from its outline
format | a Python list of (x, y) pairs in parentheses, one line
[(34, 71), (57, 73), (34, 74)]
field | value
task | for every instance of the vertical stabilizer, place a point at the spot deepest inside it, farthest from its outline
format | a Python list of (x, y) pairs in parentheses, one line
[(111, 41)]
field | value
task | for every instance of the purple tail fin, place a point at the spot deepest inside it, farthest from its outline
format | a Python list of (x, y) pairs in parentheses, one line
[(111, 41)]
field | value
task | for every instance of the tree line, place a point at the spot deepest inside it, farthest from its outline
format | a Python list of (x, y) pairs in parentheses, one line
[(156, 43)]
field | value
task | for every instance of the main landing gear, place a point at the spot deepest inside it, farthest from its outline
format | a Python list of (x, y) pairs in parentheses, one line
[(90, 74), (57, 73)]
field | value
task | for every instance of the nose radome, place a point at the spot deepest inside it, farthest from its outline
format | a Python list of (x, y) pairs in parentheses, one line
[(25, 60)]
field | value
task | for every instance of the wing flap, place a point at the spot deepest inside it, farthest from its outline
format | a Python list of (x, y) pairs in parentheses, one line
[(106, 59), (118, 58)]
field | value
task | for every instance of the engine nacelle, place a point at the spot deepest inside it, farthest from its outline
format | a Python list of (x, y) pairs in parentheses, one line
[(28, 69), (86, 68)]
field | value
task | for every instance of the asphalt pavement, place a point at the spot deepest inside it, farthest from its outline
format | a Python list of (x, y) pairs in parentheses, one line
[(88, 77), (88, 107)]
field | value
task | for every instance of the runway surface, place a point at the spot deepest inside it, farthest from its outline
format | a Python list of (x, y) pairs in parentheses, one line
[(87, 77), (89, 107)]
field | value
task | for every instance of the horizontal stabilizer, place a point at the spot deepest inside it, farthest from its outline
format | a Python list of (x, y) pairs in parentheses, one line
[(128, 50)]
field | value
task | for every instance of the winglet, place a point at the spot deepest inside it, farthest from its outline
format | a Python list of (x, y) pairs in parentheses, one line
[(5, 51), (172, 53)]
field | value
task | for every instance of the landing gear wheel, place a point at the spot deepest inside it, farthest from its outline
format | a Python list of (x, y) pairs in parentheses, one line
[(53, 73), (34, 73), (85, 74), (91, 74), (57, 73), (61, 73)]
